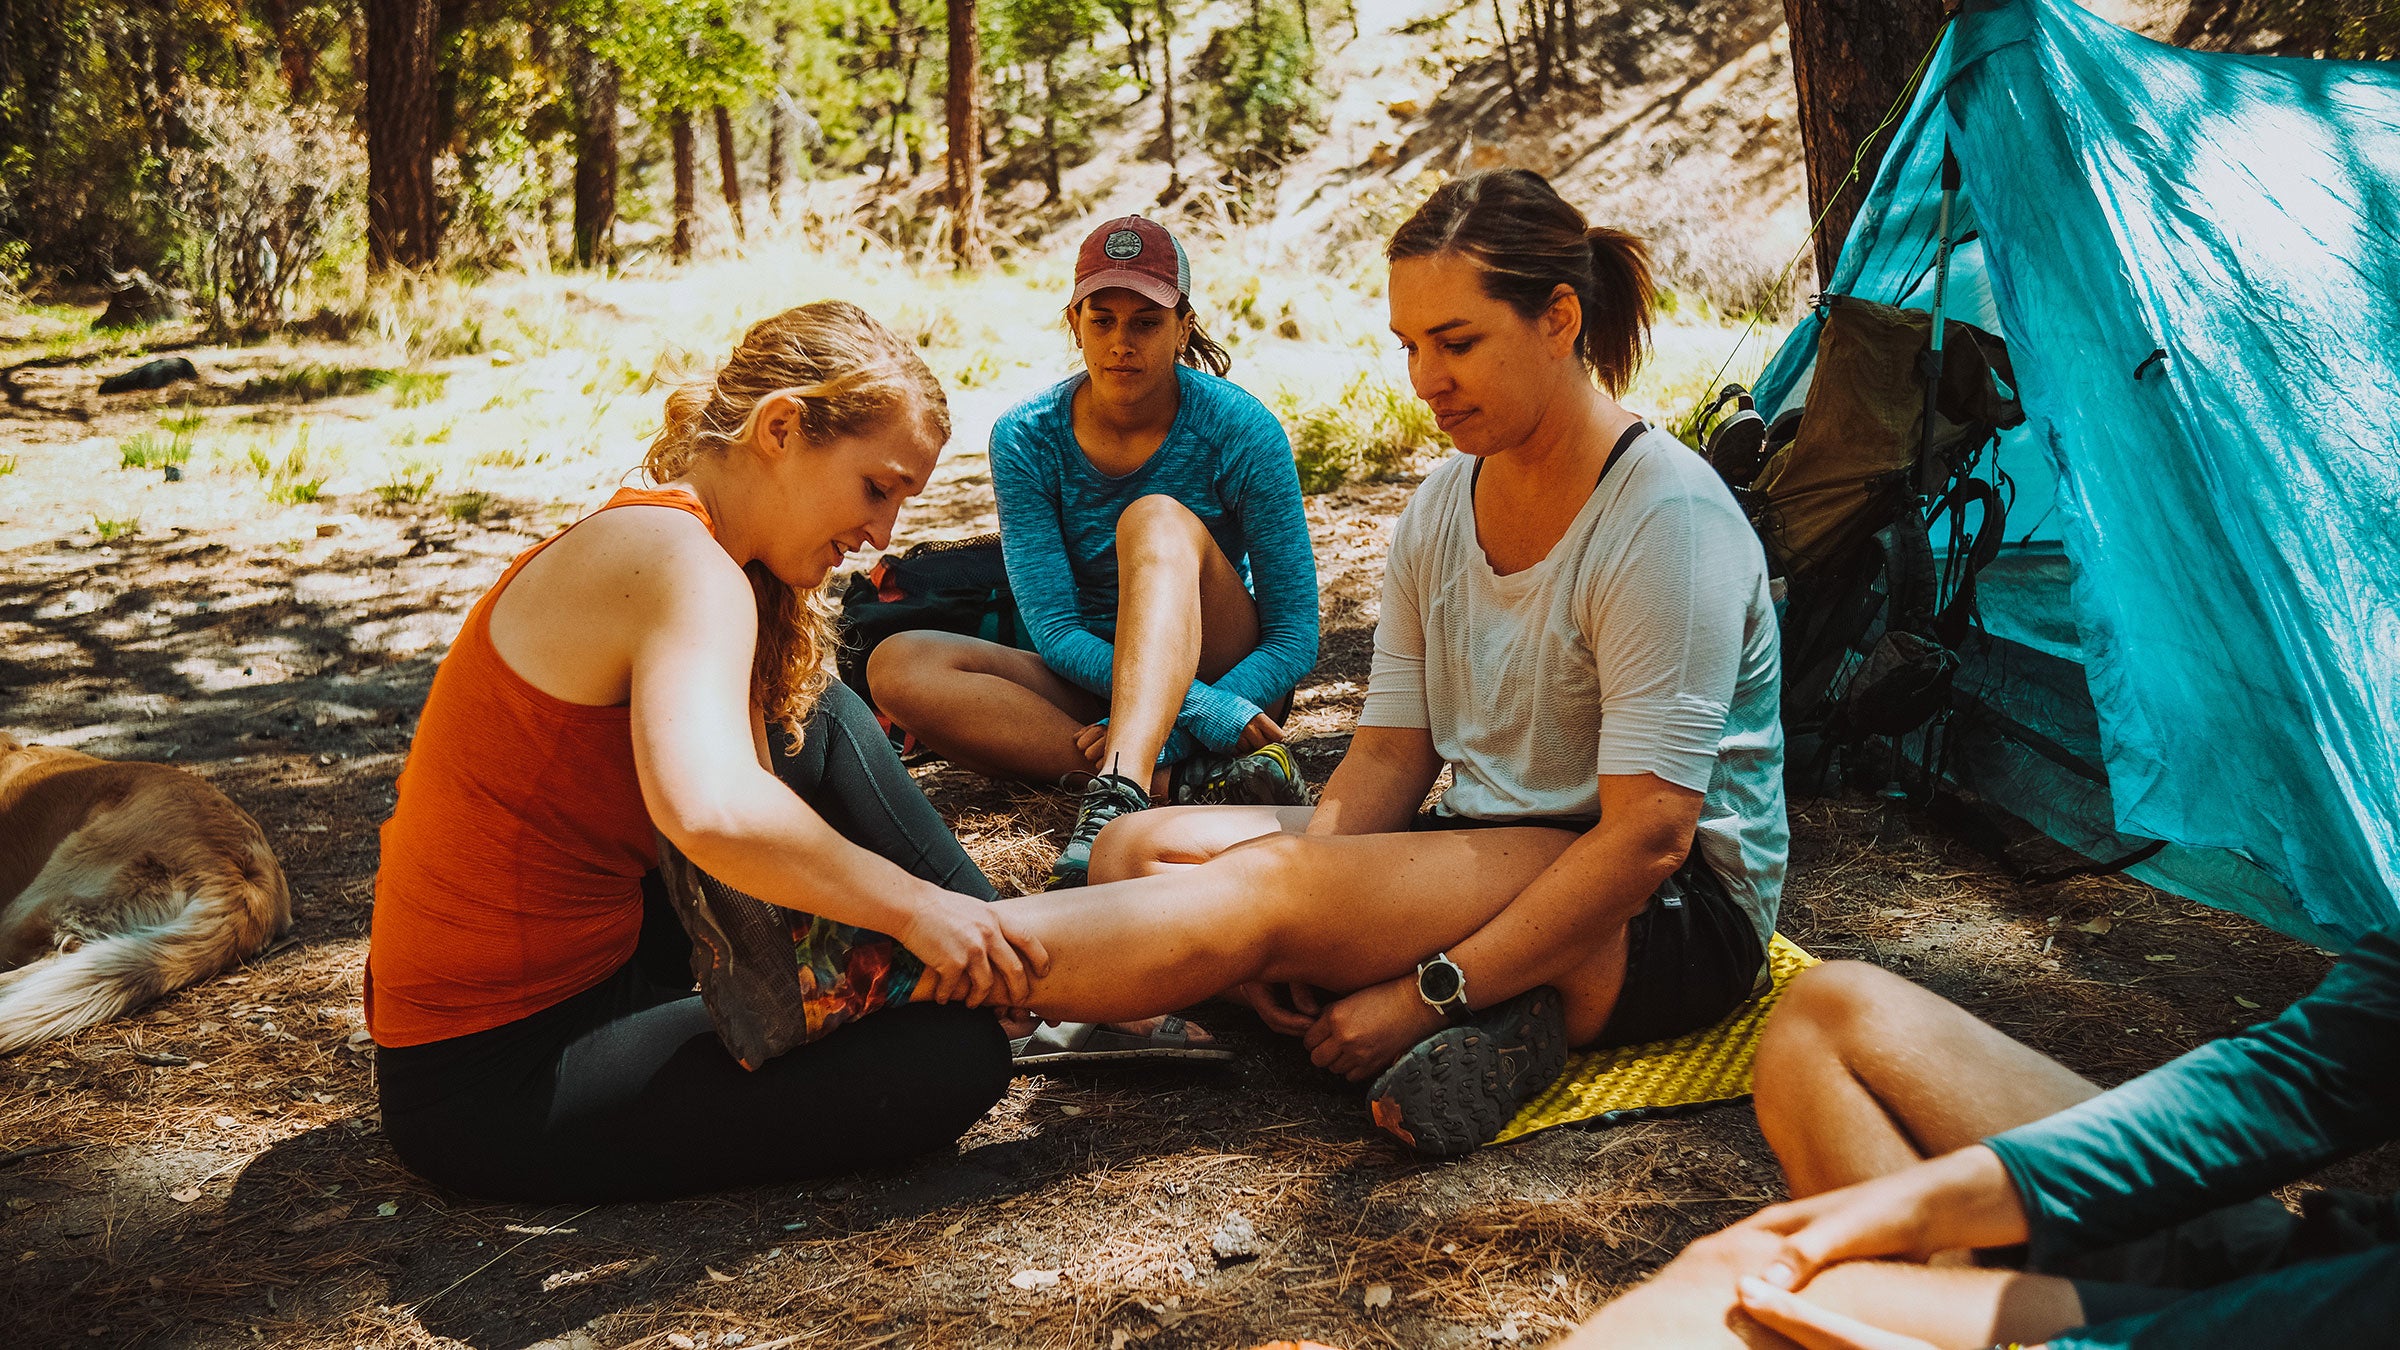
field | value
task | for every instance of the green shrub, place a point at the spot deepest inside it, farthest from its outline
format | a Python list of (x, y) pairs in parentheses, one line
[(410, 483), (1370, 430), (113, 529), (154, 450), (307, 384), (296, 491), (416, 388), (468, 506), (8, 465)]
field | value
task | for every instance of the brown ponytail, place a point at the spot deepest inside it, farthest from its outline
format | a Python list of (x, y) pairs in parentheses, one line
[(1529, 241), (848, 374)]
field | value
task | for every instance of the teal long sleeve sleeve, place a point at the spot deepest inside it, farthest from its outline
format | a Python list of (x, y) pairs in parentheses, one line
[(2227, 1122)]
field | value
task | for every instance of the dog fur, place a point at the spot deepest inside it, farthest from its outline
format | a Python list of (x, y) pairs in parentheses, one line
[(120, 882)]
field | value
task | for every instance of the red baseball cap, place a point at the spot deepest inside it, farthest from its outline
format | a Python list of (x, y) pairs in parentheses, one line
[(1138, 254)]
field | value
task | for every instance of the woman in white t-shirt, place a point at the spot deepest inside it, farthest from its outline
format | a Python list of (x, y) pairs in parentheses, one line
[(1576, 622)]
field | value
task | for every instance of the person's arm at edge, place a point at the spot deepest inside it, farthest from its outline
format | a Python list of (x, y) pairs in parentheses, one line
[(691, 622), (2225, 1122), (1033, 546)]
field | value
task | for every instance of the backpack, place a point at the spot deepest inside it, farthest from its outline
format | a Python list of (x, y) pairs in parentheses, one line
[(1844, 493), (955, 586)]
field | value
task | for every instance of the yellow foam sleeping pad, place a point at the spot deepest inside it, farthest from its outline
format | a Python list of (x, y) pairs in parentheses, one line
[(1661, 1077)]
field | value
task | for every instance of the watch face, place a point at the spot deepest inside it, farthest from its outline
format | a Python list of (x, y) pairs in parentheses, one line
[(1438, 982)]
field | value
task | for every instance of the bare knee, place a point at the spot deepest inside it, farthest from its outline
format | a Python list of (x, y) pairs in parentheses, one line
[(1825, 1016), (1158, 527), (1137, 845), (903, 667)]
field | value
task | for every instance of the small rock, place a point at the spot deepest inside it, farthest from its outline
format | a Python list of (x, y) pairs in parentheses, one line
[(681, 1341), (1235, 1241), (1378, 1296), (1035, 1279), (1404, 107)]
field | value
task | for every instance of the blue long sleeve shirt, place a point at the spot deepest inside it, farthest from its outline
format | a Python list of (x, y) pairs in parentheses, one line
[(2225, 1123), (1227, 461)]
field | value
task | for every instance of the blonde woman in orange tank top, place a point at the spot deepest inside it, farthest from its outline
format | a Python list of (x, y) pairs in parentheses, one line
[(660, 664)]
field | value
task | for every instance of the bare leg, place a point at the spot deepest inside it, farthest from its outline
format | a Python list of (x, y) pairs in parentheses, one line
[(1861, 1073), (1182, 614), (1173, 838), (990, 709), (1692, 1302), (1338, 912)]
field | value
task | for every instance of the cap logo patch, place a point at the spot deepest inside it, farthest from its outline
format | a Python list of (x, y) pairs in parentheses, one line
[(1122, 244)]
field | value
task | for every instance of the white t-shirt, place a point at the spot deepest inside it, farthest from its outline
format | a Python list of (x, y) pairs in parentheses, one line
[(1644, 643)]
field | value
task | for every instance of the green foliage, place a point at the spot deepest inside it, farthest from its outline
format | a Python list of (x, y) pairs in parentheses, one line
[(1372, 429), (410, 483), (309, 383), (1255, 101), (288, 477), (416, 388), (157, 449), (8, 465), (112, 530), (470, 507)]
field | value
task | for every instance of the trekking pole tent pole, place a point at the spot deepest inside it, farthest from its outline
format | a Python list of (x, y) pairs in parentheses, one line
[(1941, 289)]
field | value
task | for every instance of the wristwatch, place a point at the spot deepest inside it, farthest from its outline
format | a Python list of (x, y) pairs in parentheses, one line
[(1443, 986)]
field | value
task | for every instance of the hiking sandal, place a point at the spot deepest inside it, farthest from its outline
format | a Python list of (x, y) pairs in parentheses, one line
[(1055, 1043)]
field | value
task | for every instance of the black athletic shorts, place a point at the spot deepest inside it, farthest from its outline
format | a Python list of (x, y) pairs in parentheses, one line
[(1692, 955)]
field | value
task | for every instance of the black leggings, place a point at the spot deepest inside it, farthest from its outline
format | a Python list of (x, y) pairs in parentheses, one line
[(623, 1092)]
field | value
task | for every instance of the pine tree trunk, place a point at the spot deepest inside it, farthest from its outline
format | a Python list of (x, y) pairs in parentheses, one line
[(1850, 60), (969, 248), (594, 85), (729, 171), (1562, 26), (403, 227), (779, 123), (687, 184), (1308, 30), (1535, 33), (1166, 97), (1050, 176), (1508, 58)]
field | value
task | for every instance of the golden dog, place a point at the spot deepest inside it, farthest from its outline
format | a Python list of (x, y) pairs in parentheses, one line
[(120, 882)]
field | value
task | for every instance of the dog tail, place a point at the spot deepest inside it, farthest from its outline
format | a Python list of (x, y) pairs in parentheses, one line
[(223, 918)]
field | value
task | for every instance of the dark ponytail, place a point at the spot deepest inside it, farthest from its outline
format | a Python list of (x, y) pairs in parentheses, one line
[(1529, 242), (1200, 350)]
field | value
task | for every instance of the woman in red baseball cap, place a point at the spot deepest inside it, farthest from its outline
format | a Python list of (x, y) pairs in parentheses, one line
[(1151, 520)]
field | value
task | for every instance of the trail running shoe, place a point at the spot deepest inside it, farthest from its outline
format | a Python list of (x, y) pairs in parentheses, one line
[(1267, 776), (1105, 798), (1458, 1088)]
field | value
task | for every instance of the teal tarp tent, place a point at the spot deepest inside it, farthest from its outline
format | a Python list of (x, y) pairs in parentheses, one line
[(2193, 632)]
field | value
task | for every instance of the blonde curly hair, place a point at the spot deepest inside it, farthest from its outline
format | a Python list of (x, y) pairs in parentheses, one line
[(849, 375)]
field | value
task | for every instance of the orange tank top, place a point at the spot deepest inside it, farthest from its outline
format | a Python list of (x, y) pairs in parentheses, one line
[(511, 876)]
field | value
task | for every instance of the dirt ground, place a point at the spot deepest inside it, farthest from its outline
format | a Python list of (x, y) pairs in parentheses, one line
[(208, 1171)]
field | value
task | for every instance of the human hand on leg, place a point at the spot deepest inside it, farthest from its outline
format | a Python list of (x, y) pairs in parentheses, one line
[(1815, 1328), (1262, 732), (1290, 1009), (1960, 1199), (1092, 742), (1359, 1036)]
